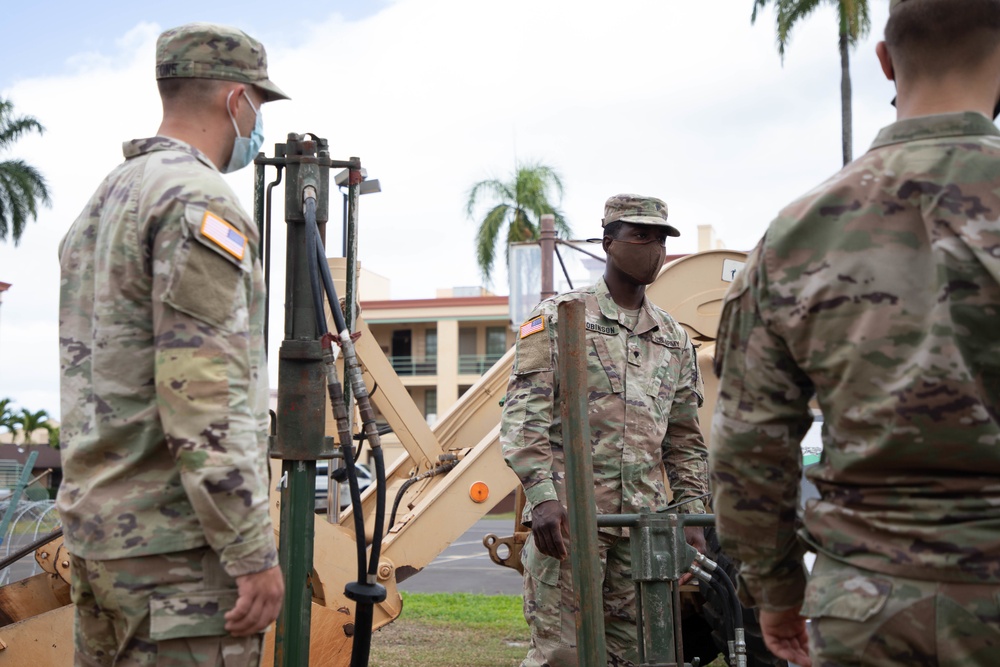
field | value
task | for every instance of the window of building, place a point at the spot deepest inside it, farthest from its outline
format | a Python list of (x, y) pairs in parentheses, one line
[(496, 341), (431, 406), (430, 343)]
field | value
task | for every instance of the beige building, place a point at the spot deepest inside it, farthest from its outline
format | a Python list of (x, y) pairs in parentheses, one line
[(440, 347)]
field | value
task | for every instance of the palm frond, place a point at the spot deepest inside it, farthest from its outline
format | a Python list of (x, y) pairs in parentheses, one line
[(22, 187), (486, 238), (789, 13), (757, 4), (858, 19), (498, 189)]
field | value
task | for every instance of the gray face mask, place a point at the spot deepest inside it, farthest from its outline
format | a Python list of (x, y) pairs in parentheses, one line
[(245, 148), (640, 260)]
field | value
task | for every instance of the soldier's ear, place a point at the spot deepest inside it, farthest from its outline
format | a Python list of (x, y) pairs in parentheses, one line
[(885, 60)]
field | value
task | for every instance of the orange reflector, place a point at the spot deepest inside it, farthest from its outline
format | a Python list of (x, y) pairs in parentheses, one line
[(479, 492)]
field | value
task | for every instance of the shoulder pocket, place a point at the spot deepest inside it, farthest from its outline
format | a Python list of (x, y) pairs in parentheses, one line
[(180, 615), (534, 346), (208, 269)]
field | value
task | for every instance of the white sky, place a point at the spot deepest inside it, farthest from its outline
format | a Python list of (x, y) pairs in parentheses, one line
[(681, 100)]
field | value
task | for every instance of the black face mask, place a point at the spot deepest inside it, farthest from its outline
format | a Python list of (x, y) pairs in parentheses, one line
[(996, 107)]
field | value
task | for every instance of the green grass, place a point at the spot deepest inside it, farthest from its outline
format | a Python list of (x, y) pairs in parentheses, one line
[(456, 630), (453, 630)]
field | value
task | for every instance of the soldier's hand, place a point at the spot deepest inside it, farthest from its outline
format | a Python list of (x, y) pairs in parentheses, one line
[(258, 604), (785, 635), (549, 522), (694, 536)]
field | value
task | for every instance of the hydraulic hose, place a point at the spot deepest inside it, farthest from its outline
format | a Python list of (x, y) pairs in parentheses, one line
[(413, 480), (366, 591)]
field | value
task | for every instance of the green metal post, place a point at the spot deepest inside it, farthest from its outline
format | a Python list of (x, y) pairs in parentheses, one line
[(298, 480), (583, 545), (300, 438), (258, 199)]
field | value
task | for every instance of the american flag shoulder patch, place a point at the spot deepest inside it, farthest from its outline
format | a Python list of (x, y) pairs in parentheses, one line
[(533, 326), (224, 235)]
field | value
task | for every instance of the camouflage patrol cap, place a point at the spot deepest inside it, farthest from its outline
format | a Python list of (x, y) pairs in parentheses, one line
[(637, 210), (209, 51), (893, 4)]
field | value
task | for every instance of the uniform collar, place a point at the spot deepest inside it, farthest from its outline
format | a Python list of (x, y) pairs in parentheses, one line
[(610, 309), (137, 147), (965, 123)]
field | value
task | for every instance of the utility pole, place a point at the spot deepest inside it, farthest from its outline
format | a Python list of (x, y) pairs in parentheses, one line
[(548, 244)]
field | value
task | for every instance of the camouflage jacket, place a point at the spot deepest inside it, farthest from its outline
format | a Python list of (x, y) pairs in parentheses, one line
[(164, 380), (879, 294), (644, 392)]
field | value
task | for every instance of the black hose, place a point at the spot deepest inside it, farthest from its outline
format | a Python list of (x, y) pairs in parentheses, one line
[(331, 291), (379, 512), (413, 480), (399, 497), (734, 600), (312, 247), (359, 519)]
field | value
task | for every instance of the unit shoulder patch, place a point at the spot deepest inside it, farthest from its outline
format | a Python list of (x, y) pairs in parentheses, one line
[(603, 329), (224, 235), (533, 326)]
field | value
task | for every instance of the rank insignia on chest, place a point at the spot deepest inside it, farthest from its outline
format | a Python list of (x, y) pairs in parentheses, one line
[(533, 326), (601, 328), (224, 235)]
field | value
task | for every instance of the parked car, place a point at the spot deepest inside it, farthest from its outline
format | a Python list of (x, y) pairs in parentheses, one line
[(365, 480)]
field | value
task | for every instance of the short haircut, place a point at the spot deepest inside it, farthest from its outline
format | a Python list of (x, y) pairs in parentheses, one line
[(189, 91), (613, 229), (934, 37)]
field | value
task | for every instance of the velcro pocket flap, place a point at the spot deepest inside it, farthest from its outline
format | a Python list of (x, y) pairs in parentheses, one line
[(200, 614), (849, 596), (538, 565), (205, 278)]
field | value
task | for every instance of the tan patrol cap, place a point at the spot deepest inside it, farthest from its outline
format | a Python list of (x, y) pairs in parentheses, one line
[(637, 210), (209, 51)]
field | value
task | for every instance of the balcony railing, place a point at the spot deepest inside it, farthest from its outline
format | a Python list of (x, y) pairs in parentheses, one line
[(476, 364), (414, 365)]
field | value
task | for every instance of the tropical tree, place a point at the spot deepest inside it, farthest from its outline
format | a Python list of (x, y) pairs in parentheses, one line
[(8, 418), (855, 23), (30, 422), (518, 204), (22, 187)]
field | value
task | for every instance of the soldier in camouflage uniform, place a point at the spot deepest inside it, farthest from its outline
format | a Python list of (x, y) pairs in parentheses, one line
[(164, 499), (644, 393), (878, 294)]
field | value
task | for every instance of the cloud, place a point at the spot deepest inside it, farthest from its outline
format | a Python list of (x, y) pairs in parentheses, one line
[(685, 101)]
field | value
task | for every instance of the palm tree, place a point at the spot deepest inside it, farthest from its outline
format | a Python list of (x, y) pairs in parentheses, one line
[(22, 187), (8, 418), (518, 203), (32, 421), (855, 23)]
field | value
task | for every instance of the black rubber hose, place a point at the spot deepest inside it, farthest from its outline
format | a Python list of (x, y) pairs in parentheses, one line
[(312, 247), (379, 512), (359, 519), (722, 593), (364, 616), (399, 497), (734, 599), (331, 291)]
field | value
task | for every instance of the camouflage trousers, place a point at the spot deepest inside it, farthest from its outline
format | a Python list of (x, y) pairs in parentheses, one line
[(551, 611), (164, 610), (859, 617)]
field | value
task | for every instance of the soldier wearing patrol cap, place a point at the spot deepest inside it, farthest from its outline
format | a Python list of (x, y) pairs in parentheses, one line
[(878, 295), (644, 392), (164, 499)]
